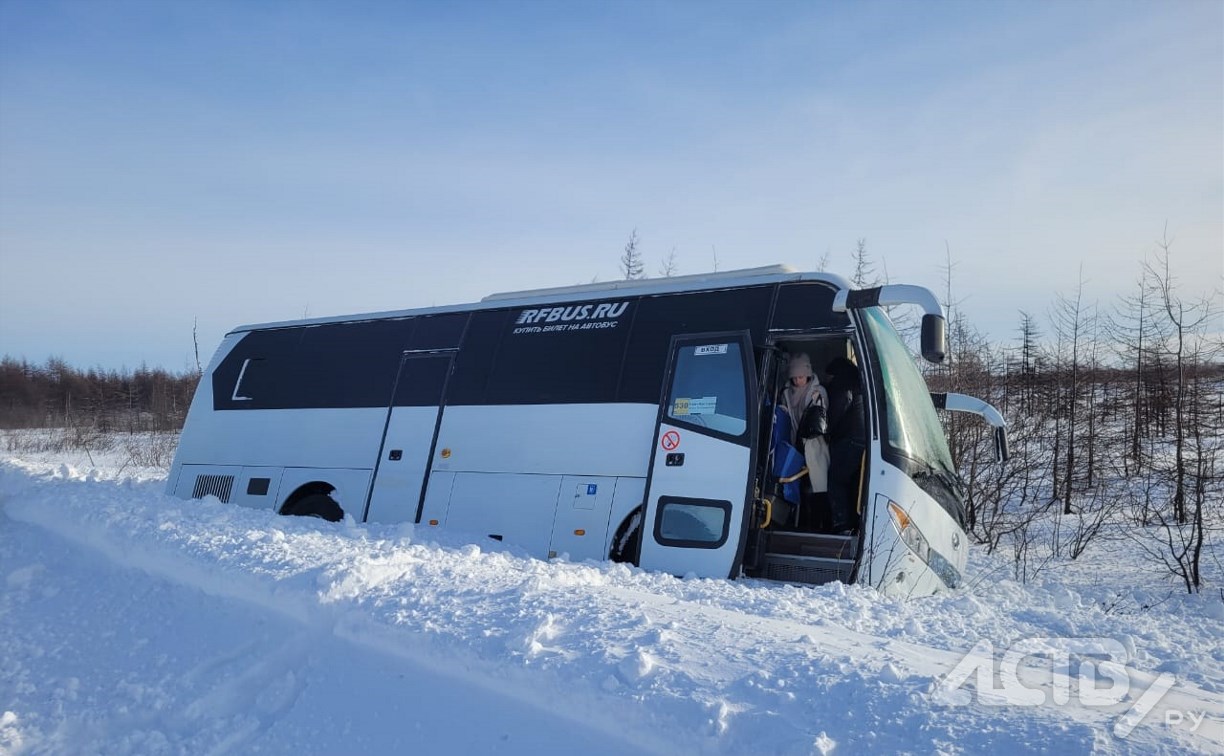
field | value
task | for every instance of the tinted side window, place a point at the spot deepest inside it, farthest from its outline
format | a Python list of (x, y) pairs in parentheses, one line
[(572, 354), (438, 331), (708, 388), (659, 318), (422, 379), (806, 305), (474, 362), (333, 365), (349, 364)]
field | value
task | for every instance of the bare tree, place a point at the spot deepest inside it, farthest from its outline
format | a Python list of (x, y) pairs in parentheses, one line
[(864, 270), (669, 267), (1070, 323), (195, 342), (1030, 361), (631, 261), (1185, 320), (1130, 328), (1191, 483), (1096, 387), (1178, 546)]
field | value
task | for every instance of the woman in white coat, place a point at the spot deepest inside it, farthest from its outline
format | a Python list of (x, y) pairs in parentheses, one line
[(804, 396)]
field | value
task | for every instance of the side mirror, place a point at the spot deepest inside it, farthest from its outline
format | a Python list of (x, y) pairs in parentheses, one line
[(934, 338), (962, 403)]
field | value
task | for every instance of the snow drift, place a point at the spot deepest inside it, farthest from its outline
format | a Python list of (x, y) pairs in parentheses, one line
[(132, 622)]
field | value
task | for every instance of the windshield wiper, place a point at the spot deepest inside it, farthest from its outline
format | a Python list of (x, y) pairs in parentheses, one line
[(951, 480), (945, 479)]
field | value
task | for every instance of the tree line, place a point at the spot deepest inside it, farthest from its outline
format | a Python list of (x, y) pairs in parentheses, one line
[(58, 395), (1116, 419)]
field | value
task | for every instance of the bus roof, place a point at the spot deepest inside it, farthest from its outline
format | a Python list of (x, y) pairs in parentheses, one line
[(628, 287)]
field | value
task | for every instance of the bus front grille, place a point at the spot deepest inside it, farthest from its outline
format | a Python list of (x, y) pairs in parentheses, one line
[(213, 485)]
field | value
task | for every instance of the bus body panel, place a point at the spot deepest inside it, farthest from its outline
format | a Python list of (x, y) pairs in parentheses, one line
[(437, 498), (198, 481), (510, 507), (254, 487), (560, 439), (577, 509), (584, 509), (339, 438), (545, 515), (321, 440), (402, 464)]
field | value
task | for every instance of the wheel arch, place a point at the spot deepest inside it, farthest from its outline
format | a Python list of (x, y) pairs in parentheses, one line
[(307, 489), (626, 542)]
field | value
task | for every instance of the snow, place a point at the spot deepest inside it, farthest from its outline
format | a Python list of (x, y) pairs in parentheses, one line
[(136, 623)]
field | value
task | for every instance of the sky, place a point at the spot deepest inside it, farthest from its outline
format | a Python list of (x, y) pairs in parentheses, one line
[(170, 166)]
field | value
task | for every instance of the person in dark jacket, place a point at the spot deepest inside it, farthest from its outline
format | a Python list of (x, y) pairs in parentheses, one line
[(847, 437)]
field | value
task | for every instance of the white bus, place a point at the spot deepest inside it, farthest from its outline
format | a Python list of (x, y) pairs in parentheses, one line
[(630, 420)]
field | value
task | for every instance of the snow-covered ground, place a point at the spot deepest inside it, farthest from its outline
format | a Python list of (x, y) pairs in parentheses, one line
[(131, 622)]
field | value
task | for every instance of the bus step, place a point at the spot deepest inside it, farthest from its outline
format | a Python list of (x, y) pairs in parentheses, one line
[(809, 570), (812, 545)]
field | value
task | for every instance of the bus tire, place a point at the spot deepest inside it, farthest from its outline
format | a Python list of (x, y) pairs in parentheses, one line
[(628, 538), (315, 505)]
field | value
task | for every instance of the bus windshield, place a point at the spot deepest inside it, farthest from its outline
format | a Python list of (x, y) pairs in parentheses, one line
[(914, 436)]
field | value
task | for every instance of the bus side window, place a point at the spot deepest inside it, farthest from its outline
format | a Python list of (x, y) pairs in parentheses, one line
[(239, 395), (708, 388), (474, 362)]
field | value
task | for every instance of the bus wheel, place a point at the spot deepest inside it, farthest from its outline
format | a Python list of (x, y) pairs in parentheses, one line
[(628, 537), (315, 505)]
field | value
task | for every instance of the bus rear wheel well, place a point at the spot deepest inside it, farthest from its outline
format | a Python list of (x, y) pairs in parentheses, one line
[(313, 499)]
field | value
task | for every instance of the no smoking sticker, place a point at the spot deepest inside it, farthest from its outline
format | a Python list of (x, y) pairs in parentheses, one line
[(670, 441)]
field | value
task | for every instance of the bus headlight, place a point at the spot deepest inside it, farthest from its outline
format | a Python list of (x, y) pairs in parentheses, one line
[(911, 536)]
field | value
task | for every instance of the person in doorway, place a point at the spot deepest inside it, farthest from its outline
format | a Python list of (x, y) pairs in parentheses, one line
[(847, 437), (807, 403)]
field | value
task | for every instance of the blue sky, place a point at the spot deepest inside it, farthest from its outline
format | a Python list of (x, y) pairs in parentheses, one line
[(167, 162)]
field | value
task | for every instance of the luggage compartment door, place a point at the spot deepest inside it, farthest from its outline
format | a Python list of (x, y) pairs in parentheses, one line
[(700, 471)]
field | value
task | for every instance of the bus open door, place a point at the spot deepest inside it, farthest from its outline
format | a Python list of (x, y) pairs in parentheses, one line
[(697, 494)]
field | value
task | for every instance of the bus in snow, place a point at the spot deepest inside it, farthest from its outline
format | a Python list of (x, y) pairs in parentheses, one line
[(634, 420)]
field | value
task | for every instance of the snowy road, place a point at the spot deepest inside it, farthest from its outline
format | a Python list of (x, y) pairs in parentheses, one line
[(135, 623), (127, 662)]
